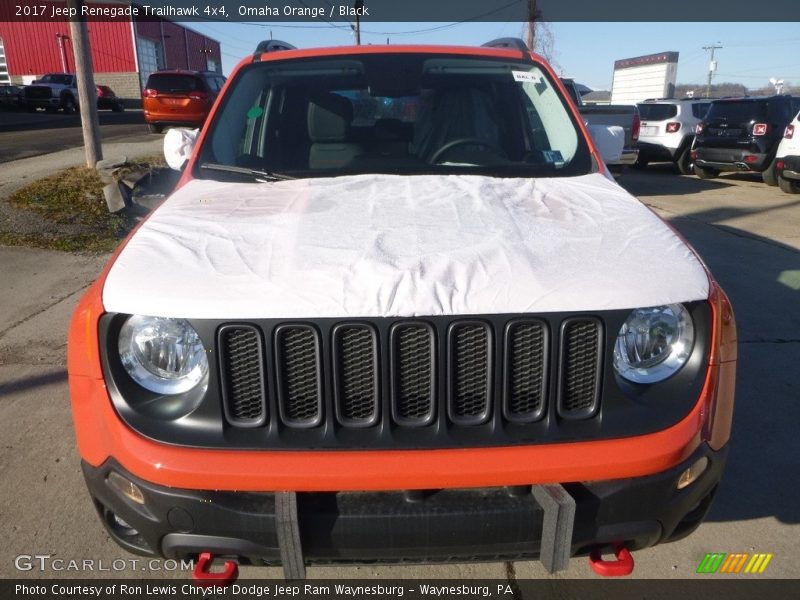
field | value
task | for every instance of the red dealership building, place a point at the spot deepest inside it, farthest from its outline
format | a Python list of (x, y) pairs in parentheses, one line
[(124, 52)]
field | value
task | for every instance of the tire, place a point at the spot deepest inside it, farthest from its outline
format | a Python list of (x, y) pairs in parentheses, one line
[(155, 127), (789, 186), (769, 176), (684, 162), (68, 104), (703, 173)]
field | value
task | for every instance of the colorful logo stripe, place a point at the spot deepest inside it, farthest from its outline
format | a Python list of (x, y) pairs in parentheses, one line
[(720, 562)]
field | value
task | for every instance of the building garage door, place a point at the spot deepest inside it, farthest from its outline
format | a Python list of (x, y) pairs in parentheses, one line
[(151, 58), (4, 78)]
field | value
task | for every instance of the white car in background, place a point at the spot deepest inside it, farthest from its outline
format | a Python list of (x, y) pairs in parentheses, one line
[(667, 130), (787, 159)]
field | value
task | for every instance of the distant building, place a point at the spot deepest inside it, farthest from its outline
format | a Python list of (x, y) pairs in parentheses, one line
[(124, 53), (597, 97)]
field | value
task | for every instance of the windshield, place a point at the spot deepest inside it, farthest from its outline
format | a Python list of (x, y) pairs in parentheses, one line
[(657, 112), (395, 113), (734, 111)]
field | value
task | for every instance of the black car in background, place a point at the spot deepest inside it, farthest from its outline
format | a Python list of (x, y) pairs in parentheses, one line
[(10, 96), (742, 134)]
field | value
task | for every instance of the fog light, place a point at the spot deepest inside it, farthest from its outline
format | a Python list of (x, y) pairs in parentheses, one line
[(691, 474), (127, 488)]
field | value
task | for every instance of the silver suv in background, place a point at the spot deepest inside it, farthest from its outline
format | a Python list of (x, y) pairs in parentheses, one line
[(667, 130)]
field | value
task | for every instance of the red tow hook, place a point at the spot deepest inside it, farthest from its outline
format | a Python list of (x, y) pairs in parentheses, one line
[(612, 568), (204, 577)]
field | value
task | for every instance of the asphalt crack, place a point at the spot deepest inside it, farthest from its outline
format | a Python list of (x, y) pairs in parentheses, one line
[(511, 576)]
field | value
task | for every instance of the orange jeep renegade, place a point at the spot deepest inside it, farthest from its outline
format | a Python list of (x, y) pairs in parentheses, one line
[(398, 310)]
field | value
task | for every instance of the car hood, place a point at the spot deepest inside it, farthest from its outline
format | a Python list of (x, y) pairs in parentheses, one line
[(387, 245)]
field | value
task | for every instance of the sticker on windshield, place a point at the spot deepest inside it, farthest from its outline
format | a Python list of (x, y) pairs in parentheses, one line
[(526, 76), (553, 156), (255, 112)]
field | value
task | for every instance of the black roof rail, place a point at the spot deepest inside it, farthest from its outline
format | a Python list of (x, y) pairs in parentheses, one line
[(508, 42), (272, 46)]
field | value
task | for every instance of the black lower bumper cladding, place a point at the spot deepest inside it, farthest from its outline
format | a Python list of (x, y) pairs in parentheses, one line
[(547, 522)]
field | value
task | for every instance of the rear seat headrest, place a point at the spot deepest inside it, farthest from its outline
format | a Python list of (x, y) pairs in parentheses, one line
[(329, 118)]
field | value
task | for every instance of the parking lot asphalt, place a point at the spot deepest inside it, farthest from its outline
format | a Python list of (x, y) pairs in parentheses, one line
[(27, 134), (748, 234)]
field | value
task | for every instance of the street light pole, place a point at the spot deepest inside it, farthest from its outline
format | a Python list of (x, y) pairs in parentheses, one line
[(90, 122)]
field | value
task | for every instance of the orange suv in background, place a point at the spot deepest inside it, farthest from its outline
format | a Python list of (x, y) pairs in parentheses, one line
[(179, 98)]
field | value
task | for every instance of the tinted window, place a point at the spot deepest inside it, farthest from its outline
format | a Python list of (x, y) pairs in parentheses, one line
[(737, 111), (700, 109), (395, 113), (174, 83), (57, 79), (657, 112)]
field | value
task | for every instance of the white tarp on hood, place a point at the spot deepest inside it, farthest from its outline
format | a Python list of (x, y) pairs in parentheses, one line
[(387, 245)]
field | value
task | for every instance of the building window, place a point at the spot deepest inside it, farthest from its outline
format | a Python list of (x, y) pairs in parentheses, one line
[(4, 78), (151, 57)]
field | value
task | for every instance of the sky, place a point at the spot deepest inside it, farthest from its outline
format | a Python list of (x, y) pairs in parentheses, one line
[(752, 53)]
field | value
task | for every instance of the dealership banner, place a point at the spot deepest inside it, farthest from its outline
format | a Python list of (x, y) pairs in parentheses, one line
[(347, 11)]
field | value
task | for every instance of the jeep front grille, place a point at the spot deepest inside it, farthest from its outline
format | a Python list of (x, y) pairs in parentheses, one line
[(581, 347), (242, 375), (409, 377)]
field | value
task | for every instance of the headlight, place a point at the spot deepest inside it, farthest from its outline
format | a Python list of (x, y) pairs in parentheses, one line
[(654, 343), (165, 356)]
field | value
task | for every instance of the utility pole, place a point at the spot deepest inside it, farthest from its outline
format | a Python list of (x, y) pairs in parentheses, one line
[(712, 66), (532, 16), (359, 6), (86, 90)]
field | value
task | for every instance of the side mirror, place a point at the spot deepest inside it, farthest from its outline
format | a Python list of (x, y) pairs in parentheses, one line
[(178, 146), (609, 139)]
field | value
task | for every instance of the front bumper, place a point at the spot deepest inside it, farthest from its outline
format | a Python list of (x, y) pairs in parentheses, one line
[(43, 102), (397, 526)]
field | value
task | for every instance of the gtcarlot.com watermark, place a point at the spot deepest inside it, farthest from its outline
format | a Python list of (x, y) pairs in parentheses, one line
[(48, 563)]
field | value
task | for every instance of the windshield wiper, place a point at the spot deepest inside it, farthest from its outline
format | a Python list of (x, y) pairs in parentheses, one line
[(254, 174)]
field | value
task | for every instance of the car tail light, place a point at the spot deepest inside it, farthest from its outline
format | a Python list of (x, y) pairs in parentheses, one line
[(788, 132), (760, 129), (637, 122), (780, 165), (198, 95), (750, 159), (699, 129), (673, 127), (150, 93)]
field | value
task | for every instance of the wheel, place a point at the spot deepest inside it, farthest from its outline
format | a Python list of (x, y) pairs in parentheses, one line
[(703, 173), (68, 104), (155, 127), (789, 186), (684, 162), (769, 176)]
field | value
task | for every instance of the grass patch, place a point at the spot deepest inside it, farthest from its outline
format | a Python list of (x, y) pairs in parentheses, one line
[(73, 212), (66, 243)]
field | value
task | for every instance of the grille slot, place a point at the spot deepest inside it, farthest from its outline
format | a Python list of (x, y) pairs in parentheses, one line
[(243, 380), (413, 374), (299, 374), (525, 382), (470, 372), (581, 364), (355, 363)]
